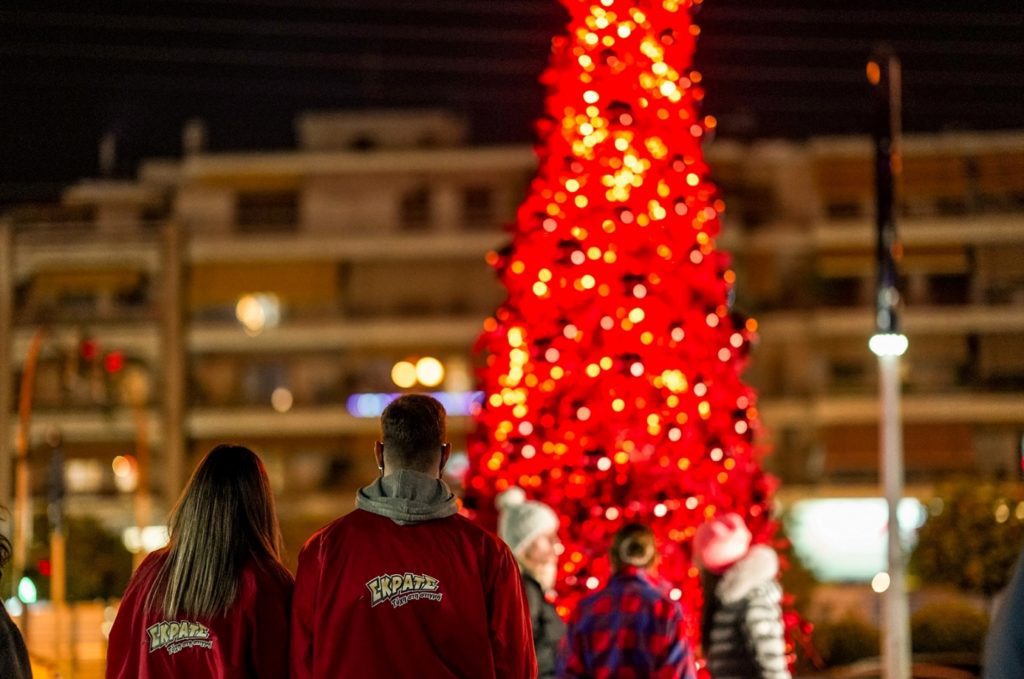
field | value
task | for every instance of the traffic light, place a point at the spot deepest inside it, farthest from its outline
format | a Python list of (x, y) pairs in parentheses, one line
[(88, 349), (113, 362), (28, 592), (1020, 458)]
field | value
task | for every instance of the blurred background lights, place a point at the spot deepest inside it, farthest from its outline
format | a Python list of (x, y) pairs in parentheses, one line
[(456, 403), (122, 466), (403, 374), (429, 371), (126, 472), (258, 311), (149, 539), (880, 583), (14, 607), (27, 592), (844, 539), (281, 399)]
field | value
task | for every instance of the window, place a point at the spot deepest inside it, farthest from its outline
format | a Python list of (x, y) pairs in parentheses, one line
[(273, 211), (415, 210), (478, 207)]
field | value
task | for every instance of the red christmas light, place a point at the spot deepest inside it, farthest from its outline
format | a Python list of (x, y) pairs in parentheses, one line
[(612, 371)]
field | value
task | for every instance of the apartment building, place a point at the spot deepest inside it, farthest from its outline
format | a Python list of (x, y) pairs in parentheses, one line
[(802, 230), (255, 297), (270, 297)]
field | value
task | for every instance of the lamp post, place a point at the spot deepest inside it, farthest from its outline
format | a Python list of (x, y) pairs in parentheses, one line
[(137, 388), (58, 547), (889, 344), (22, 480)]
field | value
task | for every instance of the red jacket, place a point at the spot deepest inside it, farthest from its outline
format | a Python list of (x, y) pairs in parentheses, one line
[(250, 640), (440, 598)]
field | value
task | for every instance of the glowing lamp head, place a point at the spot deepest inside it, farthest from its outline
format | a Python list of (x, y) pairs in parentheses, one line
[(888, 344)]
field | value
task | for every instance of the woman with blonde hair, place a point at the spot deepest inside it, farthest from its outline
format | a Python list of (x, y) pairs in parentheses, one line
[(216, 601)]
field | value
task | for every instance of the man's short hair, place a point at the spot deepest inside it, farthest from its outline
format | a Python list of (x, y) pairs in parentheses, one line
[(413, 429)]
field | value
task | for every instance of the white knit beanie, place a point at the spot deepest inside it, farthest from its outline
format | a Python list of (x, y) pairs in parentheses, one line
[(521, 521)]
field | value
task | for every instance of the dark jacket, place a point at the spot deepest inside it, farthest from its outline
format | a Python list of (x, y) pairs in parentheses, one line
[(1004, 648), (741, 630), (13, 654), (548, 628)]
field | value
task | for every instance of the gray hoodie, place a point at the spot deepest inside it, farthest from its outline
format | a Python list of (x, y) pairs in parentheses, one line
[(406, 496)]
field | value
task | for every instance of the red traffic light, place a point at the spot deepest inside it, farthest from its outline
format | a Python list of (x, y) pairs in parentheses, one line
[(44, 568), (113, 362), (89, 349)]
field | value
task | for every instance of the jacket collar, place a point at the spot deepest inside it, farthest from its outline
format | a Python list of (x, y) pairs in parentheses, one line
[(758, 567)]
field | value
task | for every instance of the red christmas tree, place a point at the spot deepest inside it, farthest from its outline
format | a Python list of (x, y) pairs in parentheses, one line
[(612, 371)]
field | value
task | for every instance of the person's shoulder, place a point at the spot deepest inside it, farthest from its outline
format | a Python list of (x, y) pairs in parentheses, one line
[(655, 590), (154, 559), (334, 529), (489, 544), (475, 531), (150, 566), (599, 603), (657, 593), (269, 574)]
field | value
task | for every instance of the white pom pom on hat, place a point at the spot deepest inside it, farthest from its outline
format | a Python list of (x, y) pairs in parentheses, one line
[(522, 521), (512, 497)]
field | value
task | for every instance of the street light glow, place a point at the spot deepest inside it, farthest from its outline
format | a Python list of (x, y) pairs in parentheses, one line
[(403, 374), (429, 371), (888, 344)]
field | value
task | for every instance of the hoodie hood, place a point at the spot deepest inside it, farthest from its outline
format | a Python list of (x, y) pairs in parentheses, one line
[(408, 497), (758, 568)]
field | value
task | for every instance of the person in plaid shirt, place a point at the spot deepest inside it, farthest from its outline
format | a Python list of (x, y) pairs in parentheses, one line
[(631, 628)]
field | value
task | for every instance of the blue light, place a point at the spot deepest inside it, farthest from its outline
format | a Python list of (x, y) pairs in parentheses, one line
[(457, 403)]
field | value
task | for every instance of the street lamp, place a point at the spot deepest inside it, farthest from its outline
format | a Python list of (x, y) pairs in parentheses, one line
[(889, 344)]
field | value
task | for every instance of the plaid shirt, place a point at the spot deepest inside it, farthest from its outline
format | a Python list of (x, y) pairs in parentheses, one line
[(630, 629)]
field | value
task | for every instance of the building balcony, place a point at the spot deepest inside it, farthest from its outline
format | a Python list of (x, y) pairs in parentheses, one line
[(858, 322), (394, 247), (337, 334), (826, 410), (309, 421)]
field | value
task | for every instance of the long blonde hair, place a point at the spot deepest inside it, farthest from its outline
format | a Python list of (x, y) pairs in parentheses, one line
[(224, 518)]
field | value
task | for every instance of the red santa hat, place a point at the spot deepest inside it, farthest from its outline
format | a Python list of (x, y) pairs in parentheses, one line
[(720, 543)]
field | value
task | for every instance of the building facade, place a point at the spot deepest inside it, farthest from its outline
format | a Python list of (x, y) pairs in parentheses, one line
[(269, 298)]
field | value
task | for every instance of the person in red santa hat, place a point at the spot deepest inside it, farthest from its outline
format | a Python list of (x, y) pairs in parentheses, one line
[(741, 625)]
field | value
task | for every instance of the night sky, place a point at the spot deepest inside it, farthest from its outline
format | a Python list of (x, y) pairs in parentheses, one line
[(71, 71)]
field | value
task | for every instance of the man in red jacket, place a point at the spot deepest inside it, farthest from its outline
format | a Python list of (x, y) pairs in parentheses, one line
[(404, 586)]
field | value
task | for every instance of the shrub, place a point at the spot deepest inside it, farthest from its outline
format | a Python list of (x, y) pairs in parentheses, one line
[(972, 538), (948, 626), (846, 640)]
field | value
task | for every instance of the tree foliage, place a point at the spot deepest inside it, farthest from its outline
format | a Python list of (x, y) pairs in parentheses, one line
[(973, 536)]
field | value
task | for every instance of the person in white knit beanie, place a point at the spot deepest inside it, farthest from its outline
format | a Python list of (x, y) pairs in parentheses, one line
[(530, 529)]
